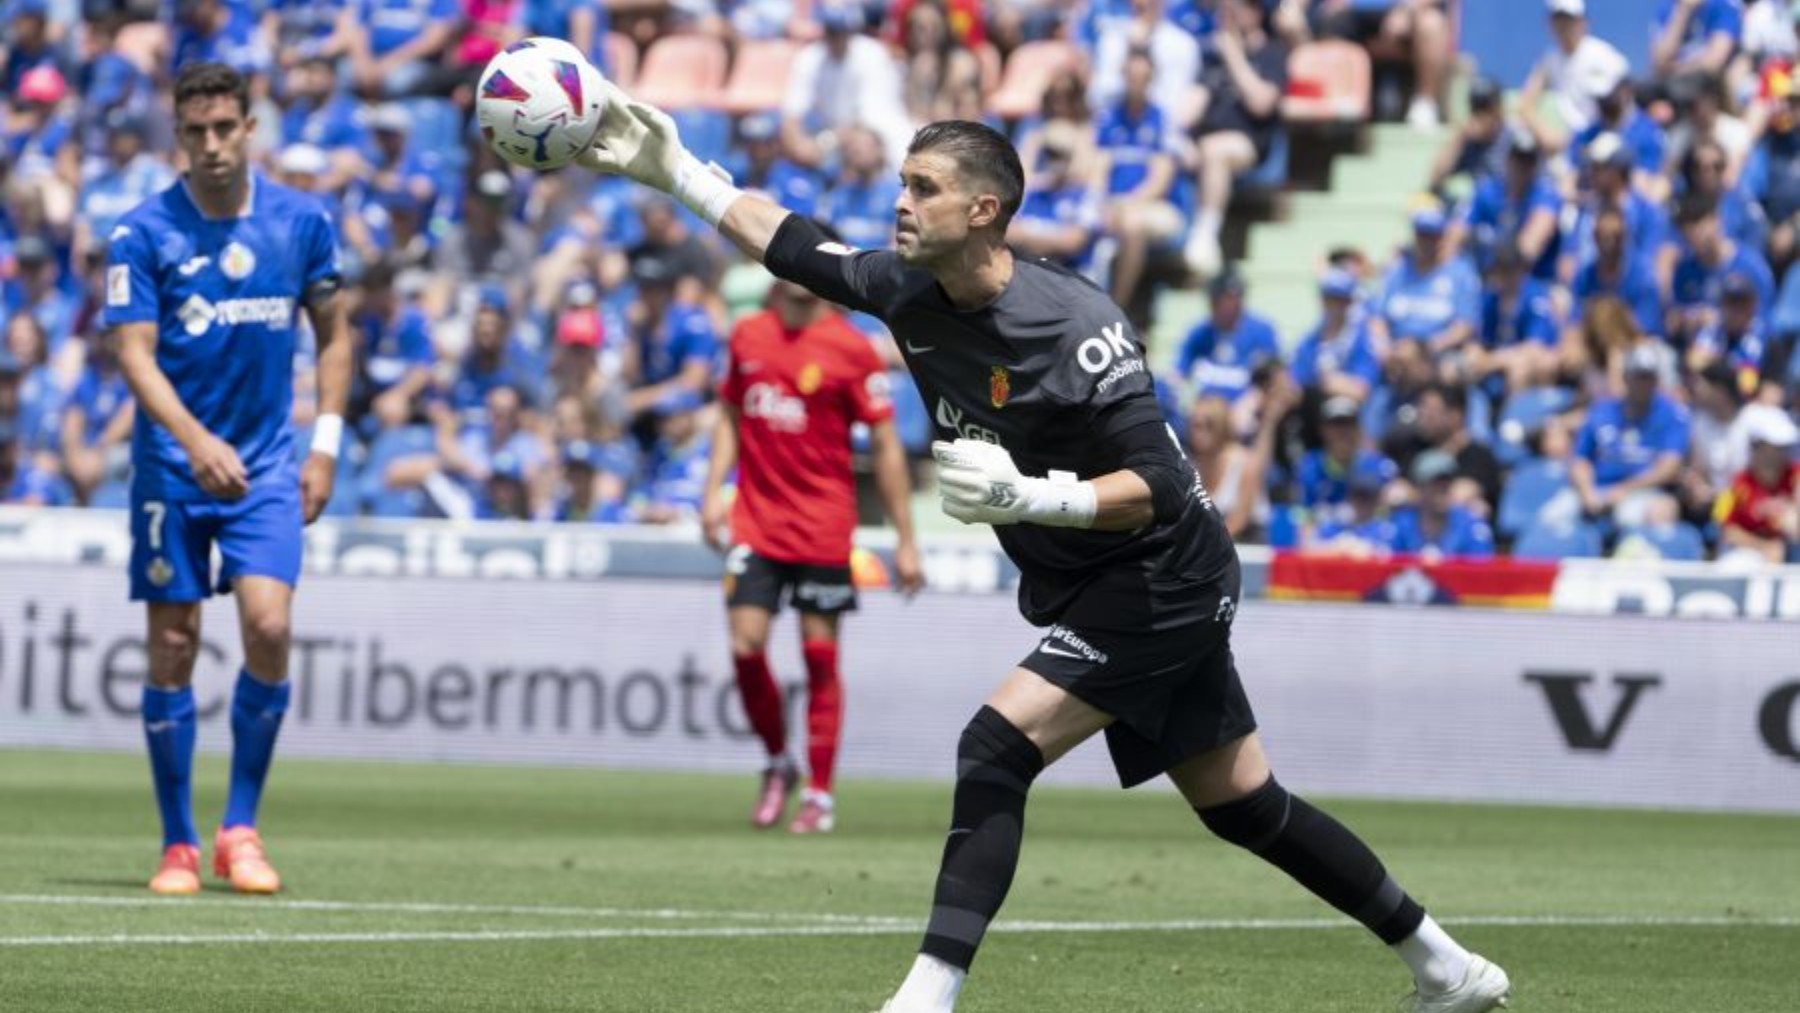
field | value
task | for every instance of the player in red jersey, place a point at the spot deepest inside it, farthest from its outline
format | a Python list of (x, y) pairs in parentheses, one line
[(799, 377)]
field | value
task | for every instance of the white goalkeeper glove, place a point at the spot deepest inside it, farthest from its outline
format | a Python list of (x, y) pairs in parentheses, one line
[(979, 484), (639, 141)]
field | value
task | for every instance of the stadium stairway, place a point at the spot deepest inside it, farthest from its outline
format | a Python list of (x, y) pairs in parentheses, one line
[(1371, 191)]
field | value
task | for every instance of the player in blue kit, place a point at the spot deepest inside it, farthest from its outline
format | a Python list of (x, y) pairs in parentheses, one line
[(203, 283)]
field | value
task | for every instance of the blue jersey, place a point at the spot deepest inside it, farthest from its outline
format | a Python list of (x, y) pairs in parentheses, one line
[(1131, 144), (1070, 205), (1418, 305), (1715, 17), (685, 334), (1324, 483), (785, 183), (1464, 535), (1696, 285), (100, 396), (1647, 229), (332, 124), (1622, 447), (1744, 353), (223, 294), (862, 213), (678, 475), (1636, 288), (393, 23), (1349, 351), (1494, 216), (238, 45), (1220, 362), (107, 196), (302, 26), (1530, 317), (1642, 137)]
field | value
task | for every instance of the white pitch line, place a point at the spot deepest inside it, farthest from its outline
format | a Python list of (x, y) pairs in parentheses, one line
[(798, 931), (422, 907)]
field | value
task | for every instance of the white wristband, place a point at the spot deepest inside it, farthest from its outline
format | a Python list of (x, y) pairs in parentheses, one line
[(1060, 501), (705, 188), (328, 435)]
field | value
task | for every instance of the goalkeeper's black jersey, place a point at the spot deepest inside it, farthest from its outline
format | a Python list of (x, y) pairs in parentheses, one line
[(1052, 371)]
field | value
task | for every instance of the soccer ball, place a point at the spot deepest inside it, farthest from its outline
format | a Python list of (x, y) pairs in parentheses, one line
[(539, 103)]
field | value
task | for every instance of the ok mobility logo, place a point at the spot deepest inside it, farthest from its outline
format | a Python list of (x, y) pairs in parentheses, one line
[(1589, 730)]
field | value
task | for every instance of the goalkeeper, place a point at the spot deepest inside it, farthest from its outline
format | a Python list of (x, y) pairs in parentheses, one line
[(1050, 433)]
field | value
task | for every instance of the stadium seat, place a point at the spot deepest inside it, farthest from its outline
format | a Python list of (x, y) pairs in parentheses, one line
[(1530, 487), (682, 72), (1558, 541), (1271, 173), (1672, 541), (1027, 74), (1328, 82), (759, 76), (621, 56)]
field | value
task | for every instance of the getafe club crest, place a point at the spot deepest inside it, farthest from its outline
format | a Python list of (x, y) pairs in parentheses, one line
[(160, 572), (237, 261), (999, 387)]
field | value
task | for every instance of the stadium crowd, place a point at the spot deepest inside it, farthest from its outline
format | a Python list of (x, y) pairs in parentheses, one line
[(1587, 346)]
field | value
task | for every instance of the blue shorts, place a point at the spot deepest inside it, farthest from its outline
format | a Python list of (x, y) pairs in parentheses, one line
[(172, 540)]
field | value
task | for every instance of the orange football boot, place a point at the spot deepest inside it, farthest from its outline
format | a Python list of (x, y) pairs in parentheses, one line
[(179, 873), (238, 857)]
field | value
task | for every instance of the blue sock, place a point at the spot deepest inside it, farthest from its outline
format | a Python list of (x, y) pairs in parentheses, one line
[(256, 710), (169, 724)]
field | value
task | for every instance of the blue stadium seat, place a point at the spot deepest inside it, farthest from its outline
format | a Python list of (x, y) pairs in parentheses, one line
[(112, 495), (1558, 541), (1675, 541), (1272, 172), (1532, 485), (911, 418)]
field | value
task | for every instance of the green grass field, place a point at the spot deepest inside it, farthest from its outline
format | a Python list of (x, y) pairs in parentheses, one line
[(461, 888)]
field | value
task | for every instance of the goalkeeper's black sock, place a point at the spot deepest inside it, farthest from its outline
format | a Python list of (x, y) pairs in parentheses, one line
[(1321, 854), (995, 765)]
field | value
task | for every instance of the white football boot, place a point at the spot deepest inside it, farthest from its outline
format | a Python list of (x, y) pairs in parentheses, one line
[(1484, 987)]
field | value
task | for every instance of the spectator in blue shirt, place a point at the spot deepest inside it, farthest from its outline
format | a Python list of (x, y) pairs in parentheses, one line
[(1221, 355), (1736, 337), (1337, 358), (1642, 139), (320, 114), (1695, 35), (761, 168), (496, 440), (673, 342), (1520, 208), (1774, 176), (1703, 172), (1519, 329), (496, 357), (1630, 450), (1361, 527), (503, 496), (215, 31), (1430, 295), (597, 481), (96, 422), (1059, 215), (860, 203), (1137, 163), (310, 29), (582, 22), (128, 177), (36, 290), (37, 140), (1707, 256), (1614, 271), (1324, 474), (1435, 526), (397, 43), (1477, 150), (28, 42), (1647, 228), (678, 462), (394, 346)]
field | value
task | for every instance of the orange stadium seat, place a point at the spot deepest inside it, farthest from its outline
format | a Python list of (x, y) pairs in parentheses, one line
[(621, 59), (759, 76), (1027, 74), (682, 72), (1328, 82)]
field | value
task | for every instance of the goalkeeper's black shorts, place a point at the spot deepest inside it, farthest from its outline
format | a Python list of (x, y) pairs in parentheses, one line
[(1172, 686)]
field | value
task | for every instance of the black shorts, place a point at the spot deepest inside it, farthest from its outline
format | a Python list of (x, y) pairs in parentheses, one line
[(758, 581), (1173, 689)]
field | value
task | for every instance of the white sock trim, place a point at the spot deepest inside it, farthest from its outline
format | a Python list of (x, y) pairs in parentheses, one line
[(930, 985)]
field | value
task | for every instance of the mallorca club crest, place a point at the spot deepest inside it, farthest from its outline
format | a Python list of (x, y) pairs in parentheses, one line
[(999, 387), (237, 261)]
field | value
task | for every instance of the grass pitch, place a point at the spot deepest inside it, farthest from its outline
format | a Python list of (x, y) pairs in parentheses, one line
[(446, 888)]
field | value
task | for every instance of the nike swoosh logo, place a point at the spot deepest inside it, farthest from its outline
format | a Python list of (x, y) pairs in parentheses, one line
[(155, 727), (1059, 652), (919, 349)]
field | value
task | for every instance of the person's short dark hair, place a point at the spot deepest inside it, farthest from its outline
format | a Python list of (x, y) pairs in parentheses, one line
[(1485, 94), (378, 276), (1226, 282), (205, 80), (981, 152), (1696, 207), (1453, 395), (1341, 256)]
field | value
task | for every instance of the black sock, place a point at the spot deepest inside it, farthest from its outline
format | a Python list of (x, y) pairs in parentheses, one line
[(1321, 854), (995, 765)]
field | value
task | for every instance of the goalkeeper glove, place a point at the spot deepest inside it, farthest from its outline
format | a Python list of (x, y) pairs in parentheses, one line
[(639, 141), (980, 484)]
